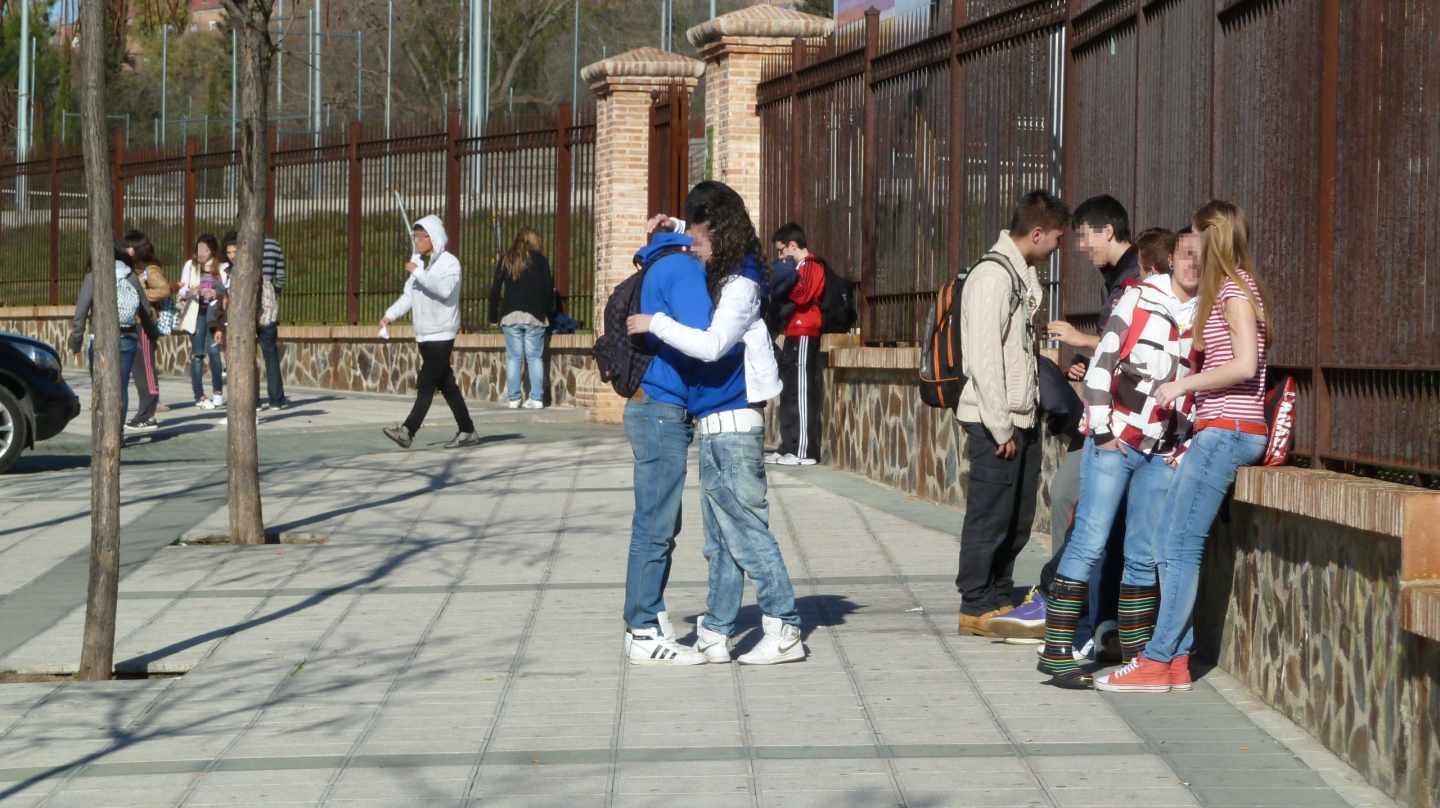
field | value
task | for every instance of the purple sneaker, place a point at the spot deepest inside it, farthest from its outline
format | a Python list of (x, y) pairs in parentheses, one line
[(1025, 625)]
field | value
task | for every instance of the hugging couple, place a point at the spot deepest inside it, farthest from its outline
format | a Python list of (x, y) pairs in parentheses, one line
[(702, 301)]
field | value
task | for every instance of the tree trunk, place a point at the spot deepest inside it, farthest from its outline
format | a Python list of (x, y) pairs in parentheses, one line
[(97, 655), (251, 21)]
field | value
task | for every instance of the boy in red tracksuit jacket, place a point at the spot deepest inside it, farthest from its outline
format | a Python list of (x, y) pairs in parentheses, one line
[(799, 360)]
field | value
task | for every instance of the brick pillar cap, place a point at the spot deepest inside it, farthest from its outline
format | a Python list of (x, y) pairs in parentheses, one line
[(661, 67), (760, 22)]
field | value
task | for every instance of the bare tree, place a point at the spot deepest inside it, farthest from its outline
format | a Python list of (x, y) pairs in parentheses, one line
[(97, 655), (251, 22)]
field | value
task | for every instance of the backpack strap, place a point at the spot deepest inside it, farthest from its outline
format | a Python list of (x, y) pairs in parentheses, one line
[(1017, 284)]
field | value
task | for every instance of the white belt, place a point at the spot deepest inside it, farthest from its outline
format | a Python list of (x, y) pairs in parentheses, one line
[(732, 421)]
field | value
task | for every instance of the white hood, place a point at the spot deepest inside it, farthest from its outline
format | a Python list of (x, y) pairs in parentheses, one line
[(431, 224), (121, 270), (1182, 313)]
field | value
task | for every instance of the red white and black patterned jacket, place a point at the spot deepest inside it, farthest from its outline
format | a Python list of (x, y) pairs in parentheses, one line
[(1146, 343)]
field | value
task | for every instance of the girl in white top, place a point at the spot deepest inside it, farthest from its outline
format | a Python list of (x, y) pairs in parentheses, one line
[(204, 281)]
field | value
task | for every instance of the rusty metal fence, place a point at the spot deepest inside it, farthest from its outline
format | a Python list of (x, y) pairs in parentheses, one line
[(669, 175), (333, 206), (901, 145)]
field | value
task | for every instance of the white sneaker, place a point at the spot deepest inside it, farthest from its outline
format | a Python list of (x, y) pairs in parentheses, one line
[(514, 405), (792, 460), (649, 646), (217, 401), (205, 404), (532, 404), (780, 644), (714, 645), (1085, 653), (772, 458)]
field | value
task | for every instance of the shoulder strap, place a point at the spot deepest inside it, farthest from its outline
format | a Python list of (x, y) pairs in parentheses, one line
[(1017, 284)]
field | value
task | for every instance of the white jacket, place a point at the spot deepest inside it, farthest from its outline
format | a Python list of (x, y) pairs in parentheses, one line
[(737, 317), (190, 280), (432, 294)]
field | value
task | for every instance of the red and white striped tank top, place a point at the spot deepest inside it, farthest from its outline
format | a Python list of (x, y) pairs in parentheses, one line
[(1244, 401)]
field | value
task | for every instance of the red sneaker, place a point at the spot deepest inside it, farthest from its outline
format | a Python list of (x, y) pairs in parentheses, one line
[(1180, 674), (1142, 675)]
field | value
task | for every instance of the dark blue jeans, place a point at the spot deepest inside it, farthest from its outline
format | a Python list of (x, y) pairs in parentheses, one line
[(129, 353), (660, 436), (270, 349), (202, 342)]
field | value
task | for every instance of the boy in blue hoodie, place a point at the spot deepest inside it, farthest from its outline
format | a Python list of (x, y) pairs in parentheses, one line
[(660, 430)]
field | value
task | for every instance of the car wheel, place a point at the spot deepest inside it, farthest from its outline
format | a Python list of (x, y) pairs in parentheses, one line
[(14, 430)]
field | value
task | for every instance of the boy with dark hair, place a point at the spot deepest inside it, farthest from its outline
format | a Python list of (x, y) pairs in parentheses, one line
[(998, 407), (272, 271), (799, 358), (1102, 234)]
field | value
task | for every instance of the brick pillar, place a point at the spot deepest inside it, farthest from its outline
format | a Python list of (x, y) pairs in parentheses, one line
[(734, 47), (622, 86)]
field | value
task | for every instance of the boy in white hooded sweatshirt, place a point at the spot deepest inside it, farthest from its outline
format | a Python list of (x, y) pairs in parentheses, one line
[(432, 298)]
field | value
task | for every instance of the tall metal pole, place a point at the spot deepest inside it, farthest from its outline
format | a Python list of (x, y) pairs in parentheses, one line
[(460, 69), (234, 83), (475, 76), (34, 41), (164, 76), (389, 63), (575, 67), (22, 109), (712, 9), (280, 60), (359, 75), (319, 71)]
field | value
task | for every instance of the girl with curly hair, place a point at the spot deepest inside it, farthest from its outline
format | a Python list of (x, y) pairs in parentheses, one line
[(728, 388)]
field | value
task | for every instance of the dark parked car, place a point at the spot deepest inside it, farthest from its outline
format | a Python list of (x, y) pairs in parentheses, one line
[(35, 401)]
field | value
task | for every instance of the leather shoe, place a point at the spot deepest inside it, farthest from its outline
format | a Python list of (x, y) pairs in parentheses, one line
[(979, 625)]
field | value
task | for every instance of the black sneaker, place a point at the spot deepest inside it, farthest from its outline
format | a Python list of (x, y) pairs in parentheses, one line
[(399, 434), (264, 406), (142, 426), (463, 439)]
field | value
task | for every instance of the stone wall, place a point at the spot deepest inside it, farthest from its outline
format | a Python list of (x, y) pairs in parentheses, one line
[(1306, 613), (352, 358)]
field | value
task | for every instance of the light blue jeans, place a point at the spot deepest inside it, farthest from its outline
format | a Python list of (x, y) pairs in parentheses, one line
[(738, 541), (660, 436), (1108, 476), (1205, 475), (524, 345)]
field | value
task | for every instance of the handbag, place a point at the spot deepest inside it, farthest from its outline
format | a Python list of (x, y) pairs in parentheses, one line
[(167, 316), (191, 318)]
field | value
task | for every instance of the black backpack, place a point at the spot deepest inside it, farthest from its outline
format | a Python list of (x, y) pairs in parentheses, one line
[(621, 359), (838, 312), (941, 374)]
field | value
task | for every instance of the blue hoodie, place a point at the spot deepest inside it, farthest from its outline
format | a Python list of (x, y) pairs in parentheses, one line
[(720, 385), (675, 285)]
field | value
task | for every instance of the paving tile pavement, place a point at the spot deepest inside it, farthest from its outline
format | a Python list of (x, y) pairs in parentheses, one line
[(455, 641)]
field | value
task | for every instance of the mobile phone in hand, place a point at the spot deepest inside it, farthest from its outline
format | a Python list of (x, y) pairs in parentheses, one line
[(676, 225)]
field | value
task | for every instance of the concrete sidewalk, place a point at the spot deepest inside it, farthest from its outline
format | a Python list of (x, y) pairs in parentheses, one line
[(456, 641)]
